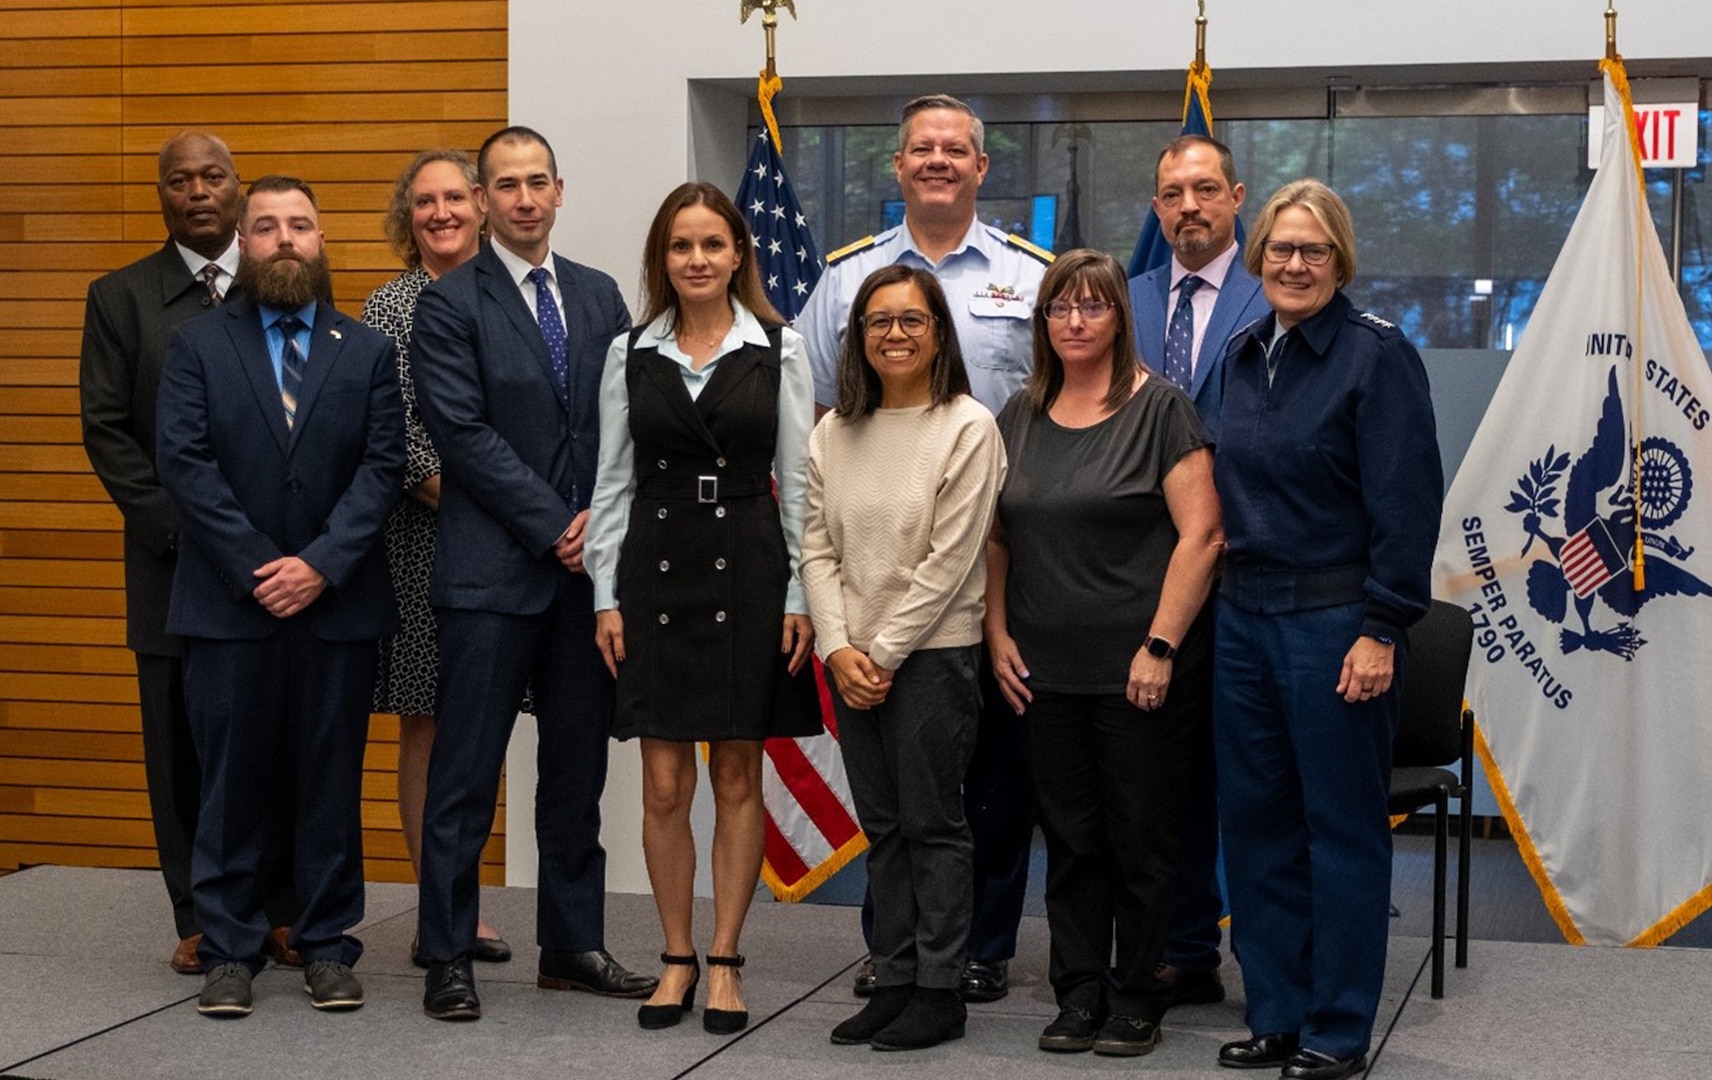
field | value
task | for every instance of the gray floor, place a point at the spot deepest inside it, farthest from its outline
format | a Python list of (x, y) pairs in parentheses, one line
[(86, 993)]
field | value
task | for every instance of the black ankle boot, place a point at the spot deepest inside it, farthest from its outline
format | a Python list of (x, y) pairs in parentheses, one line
[(724, 1021), (884, 1007), (933, 1016), (655, 1017)]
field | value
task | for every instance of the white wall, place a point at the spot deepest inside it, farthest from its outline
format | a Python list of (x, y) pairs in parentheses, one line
[(610, 85)]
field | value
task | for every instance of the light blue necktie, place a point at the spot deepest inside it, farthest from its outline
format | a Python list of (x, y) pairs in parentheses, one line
[(291, 361)]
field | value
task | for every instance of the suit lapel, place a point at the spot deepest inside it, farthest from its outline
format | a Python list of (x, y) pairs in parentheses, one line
[(175, 277), (497, 283), (244, 326), (326, 340), (1234, 295)]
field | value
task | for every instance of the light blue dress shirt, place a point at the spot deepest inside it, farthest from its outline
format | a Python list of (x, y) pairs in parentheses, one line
[(276, 337)]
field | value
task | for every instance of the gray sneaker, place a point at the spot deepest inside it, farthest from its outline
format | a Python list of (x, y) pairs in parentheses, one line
[(332, 985), (225, 991)]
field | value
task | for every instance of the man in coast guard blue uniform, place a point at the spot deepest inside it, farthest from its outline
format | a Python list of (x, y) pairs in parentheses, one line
[(281, 441), (991, 281), (1186, 313)]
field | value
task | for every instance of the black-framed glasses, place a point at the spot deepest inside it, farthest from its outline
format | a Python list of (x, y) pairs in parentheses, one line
[(1092, 310), (1279, 251), (913, 323)]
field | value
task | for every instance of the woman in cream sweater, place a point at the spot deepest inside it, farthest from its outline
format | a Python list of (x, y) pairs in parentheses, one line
[(902, 479)]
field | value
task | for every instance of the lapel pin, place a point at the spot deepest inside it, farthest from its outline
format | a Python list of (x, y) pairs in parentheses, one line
[(336, 335)]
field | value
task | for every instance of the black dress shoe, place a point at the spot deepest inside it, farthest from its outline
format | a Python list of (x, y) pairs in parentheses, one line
[(592, 972), (1260, 1052), (332, 985), (225, 991), (1203, 987), (986, 980), (1126, 1036), (1313, 1065), (1072, 1033), (866, 979), (450, 991)]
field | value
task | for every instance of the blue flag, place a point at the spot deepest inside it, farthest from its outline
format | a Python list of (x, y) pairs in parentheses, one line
[(1152, 249), (784, 248)]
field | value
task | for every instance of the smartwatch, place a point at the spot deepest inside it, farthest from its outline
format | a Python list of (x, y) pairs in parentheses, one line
[(1158, 647)]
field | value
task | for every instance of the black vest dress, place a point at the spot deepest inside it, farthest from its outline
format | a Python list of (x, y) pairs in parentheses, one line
[(703, 568)]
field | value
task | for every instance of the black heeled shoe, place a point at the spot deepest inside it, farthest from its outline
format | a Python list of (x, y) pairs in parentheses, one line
[(656, 1017), (724, 1021)]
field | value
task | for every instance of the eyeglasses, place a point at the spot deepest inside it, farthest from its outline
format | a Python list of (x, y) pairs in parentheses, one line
[(1279, 251), (1092, 310), (913, 323)]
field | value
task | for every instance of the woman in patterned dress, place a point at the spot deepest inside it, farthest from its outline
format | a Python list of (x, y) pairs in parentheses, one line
[(434, 226)]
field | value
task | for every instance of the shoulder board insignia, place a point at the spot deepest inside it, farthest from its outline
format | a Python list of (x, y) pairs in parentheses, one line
[(850, 249), (1368, 316), (1033, 249)]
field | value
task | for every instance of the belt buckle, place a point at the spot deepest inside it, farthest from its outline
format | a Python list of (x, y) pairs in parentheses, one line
[(707, 489)]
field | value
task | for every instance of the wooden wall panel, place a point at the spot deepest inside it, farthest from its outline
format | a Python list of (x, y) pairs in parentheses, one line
[(340, 92)]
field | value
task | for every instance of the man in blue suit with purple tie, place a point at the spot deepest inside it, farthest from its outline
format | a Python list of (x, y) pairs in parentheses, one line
[(1186, 313), (508, 353), (281, 440)]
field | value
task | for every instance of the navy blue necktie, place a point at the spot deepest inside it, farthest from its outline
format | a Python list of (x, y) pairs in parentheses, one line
[(291, 361), (1180, 335), (552, 327)]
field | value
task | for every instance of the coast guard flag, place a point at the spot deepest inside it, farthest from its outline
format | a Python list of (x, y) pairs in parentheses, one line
[(1152, 250), (1579, 533), (811, 829)]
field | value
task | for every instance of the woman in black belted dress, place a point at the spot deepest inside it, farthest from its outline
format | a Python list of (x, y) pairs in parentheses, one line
[(699, 607)]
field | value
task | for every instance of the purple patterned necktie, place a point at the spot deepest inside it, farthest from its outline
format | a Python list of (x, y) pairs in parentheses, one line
[(552, 327), (291, 361), (211, 278), (1180, 337)]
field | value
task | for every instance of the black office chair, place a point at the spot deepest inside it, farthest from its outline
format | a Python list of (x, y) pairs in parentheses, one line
[(1434, 731)]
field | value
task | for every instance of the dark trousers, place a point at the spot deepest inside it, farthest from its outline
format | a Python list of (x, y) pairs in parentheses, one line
[(486, 660), (280, 722), (1303, 782), (998, 801), (1192, 935), (174, 778), (906, 760), (1109, 789)]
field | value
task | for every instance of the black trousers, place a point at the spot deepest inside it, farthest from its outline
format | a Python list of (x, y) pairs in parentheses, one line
[(174, 778), (1108, 793), (281, 725)]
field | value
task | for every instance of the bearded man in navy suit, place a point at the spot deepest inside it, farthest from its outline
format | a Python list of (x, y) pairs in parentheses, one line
[(1197, 198), (508, 352), (281, 441)]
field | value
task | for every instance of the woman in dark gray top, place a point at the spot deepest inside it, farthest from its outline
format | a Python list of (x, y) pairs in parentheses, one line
[(1097, 575)]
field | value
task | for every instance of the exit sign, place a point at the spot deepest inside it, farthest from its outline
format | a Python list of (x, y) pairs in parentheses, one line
[(1669, 134)]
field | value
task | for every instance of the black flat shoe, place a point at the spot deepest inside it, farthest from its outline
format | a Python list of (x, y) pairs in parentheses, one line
[(449, 991), (658, 1017), (1260, 1052), (886, 1004), (491, 950), (725, 1021), (1312, 1065), (985, 980)]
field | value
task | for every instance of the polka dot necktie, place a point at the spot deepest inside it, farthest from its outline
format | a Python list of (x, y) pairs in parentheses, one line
[(552, 327), (291, 361), (1180, 336)]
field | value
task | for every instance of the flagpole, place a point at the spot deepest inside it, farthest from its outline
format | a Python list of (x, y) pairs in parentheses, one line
[(769, 84)]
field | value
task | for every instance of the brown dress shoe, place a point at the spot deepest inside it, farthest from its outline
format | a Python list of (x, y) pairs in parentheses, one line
[(277, 947), (185, 960)]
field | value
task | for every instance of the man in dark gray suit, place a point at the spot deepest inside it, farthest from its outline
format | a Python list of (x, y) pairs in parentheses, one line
[(1186, 313), (281, 441), (508, 352), (128, 319)]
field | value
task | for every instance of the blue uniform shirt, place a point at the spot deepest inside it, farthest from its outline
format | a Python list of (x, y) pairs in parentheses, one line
[(1333, 465), (990, 280)]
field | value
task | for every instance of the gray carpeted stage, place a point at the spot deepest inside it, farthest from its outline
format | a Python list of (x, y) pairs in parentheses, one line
[(86, 993)]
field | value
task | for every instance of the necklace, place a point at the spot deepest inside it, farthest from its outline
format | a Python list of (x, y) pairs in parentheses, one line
[(696, 337)]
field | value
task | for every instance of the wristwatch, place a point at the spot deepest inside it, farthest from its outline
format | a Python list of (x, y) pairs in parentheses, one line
[(1159, 647)]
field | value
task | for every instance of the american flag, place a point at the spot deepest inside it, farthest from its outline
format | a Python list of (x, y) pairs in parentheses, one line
[(1590, 558), (784, 250), (811, 829)]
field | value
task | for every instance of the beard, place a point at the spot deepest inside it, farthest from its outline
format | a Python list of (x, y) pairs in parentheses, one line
[(285, 282), (1196, 242)]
